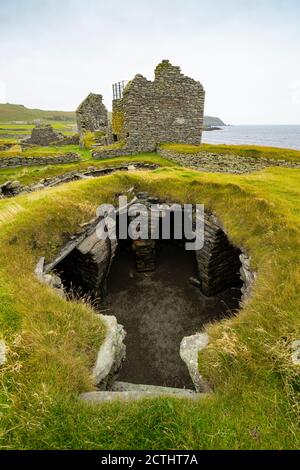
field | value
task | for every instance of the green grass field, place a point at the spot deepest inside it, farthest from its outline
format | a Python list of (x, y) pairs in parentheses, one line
[(53, 342)]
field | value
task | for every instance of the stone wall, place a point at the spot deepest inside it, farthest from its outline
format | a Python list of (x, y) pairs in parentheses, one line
[(223, 163), (218, 261), (13, 162), (103, 153), (169, 109), (92, 115), (86, 267), (68, 140)]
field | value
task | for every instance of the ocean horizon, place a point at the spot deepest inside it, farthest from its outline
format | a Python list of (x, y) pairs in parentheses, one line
[(281, 136)]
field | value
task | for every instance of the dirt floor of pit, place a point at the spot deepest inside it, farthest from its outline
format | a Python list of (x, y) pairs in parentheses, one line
[(157, 310)]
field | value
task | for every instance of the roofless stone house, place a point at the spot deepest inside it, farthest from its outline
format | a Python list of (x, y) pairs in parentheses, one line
[(146, 113)]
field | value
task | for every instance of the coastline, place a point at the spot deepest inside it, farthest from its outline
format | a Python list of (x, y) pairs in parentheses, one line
[(278, 136)]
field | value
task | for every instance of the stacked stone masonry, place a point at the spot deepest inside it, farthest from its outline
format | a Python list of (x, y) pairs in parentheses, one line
[(218, 261), (168, 109), (144, 255), (100, 154), (13, 162), (86, 267), (92, 115), (44, 135)]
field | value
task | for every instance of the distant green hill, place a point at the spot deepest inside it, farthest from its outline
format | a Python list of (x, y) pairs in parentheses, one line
[(18, 112)]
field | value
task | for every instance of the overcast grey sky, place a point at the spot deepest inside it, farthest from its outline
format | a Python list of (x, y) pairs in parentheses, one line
[(245, 52)]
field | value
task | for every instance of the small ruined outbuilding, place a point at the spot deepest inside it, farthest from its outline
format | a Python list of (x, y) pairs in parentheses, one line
[(92, 115), (44, 135)]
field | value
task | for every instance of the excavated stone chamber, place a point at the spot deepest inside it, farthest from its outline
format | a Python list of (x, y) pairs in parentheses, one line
[(158, 291)]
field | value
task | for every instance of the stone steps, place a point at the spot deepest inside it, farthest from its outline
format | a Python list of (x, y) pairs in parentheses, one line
[(123, 391)]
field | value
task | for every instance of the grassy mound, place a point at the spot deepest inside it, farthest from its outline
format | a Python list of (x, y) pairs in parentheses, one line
[(53, 343)]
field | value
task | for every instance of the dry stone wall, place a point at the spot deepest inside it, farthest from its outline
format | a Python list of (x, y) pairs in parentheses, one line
[(218, 261), (104, 153), (13, 162), (223, 163)]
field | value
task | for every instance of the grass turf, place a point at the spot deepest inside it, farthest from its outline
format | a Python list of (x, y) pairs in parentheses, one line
[(53, 343)]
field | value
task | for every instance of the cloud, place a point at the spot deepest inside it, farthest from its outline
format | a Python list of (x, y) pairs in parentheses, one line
[(53, 53)]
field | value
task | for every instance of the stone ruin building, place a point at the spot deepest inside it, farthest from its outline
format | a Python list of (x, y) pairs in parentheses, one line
[(43, 135), (92, 115), (169, 109), (146, 113), (116, 274)]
